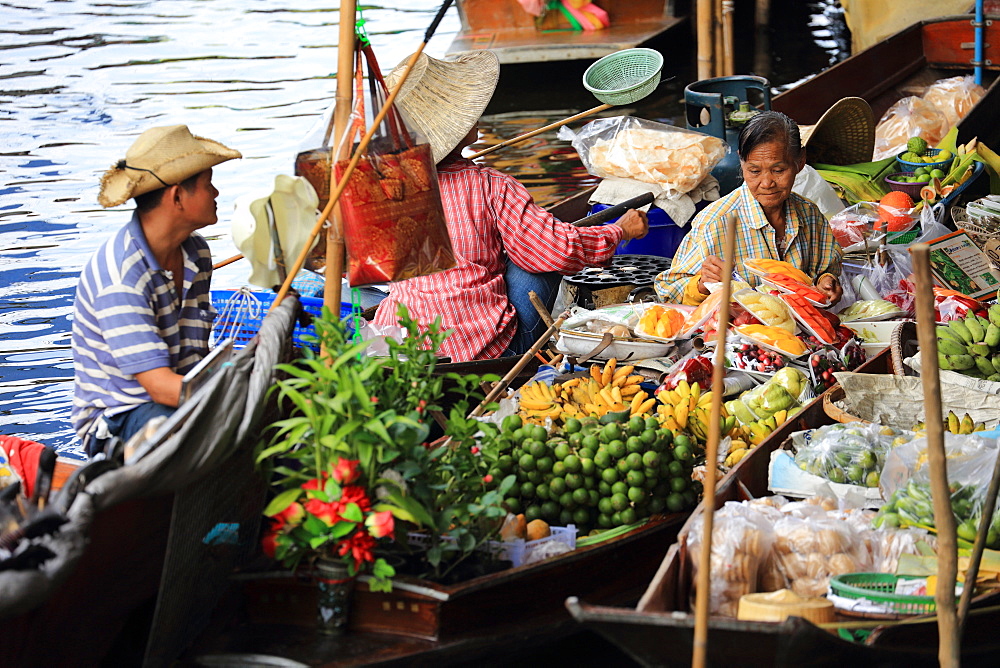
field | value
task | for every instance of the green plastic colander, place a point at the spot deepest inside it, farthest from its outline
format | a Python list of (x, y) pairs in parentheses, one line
[(880, 588), (624, 77)]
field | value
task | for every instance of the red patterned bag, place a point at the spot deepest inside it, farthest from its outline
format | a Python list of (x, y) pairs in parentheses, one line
[(394, 224)]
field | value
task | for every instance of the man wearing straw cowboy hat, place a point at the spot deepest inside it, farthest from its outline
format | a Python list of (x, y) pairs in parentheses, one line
[(143, 311), (505, 245)]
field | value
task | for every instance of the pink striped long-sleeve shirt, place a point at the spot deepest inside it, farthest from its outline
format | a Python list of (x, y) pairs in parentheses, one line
[(487, 213)]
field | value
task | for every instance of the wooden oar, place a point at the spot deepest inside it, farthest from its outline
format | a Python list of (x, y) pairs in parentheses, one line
[(944, 519), (359, 153), (551, 126), (504, 382), (704, 582)]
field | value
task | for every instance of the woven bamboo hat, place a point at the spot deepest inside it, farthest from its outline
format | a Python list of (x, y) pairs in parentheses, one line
[(844, 134), (160, 157), (445, 98)]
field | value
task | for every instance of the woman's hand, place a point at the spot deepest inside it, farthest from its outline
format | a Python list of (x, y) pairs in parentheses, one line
[(829, 285), (711, 272), (634, 223)]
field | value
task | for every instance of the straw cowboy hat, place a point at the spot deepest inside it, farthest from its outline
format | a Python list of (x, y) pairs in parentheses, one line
[(844, 134), (293, 203), (160, 157), (444, 99)]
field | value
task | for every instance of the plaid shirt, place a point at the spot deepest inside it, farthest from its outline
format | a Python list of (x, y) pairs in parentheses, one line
[(809, 241), (488, 213)]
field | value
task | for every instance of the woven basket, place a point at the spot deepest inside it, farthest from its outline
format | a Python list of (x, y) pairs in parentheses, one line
[(907, 166), (835, 412), (624, 77), (911, 189), (902, 344)]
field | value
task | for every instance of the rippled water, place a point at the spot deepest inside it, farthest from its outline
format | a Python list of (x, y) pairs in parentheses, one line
[(80, 80)]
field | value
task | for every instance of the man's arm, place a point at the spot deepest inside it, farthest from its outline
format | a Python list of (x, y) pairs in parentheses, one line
[(162, 384)]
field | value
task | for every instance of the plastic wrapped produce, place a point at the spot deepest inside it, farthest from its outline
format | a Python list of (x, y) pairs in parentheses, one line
[(852, 453), (909, 117), (954, 97), (741, 540), (906, 486), (808, 551), (674, 159)]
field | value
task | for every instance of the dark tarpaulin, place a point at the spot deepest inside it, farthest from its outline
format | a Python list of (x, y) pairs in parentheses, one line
[(220, 421)]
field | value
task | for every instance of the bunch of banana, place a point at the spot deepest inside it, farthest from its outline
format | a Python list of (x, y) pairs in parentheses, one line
[(539, 400), (686, 408), (971, 345), (757, 432), (738, 449), (956, 425), (608, 389)]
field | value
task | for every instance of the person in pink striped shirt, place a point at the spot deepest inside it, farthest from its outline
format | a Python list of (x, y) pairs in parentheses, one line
[(505, 244)]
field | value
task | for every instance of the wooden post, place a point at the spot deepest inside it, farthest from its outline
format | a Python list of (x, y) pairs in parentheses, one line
[(728, 65), (717, 38), (944, 520), (762, 39), (341, 117), (705, 44), (704, 582)]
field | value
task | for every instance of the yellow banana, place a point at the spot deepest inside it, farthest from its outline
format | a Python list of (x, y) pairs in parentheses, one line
[(966, 425), (681, 414), (637, 400), (953, 424), (621, 373), (617, 394), (608, 372), (683, 389), (530, 404), (595, 372), (632, 380), (644, 407), (630, 390), (695, 391)]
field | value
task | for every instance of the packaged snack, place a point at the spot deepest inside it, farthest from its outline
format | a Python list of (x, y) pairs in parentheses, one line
[(852, 453)]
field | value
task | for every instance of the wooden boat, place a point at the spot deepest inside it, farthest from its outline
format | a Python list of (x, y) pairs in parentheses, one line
[(905, 64), (503, 26), (659, 631)]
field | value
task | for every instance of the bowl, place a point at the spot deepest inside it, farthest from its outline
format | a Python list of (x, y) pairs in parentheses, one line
[(911, 189)]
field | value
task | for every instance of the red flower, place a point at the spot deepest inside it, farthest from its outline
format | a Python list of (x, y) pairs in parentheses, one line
[(380, 524), (315, 483), (359, 546), (291, 515), (269, 543), (346, 471), (329, 513), (356, 494), (487, 478)]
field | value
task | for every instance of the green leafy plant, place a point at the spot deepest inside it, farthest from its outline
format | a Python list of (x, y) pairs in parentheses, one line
[(359, 424)]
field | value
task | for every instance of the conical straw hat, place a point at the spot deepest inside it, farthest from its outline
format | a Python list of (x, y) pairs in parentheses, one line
[(844, 134), (444, 99), (160, 157)]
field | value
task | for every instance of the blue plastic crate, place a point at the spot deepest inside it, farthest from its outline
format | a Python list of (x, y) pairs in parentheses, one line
[(664, 234), (240, 313)]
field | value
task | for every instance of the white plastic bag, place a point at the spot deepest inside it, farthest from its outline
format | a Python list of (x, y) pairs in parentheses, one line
[(815, 188), (677, 160)]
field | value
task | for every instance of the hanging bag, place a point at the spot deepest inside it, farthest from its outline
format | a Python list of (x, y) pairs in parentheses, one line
[(394, 224)]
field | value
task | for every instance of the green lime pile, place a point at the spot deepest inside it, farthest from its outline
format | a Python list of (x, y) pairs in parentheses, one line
[(911, 505), (594, 475)]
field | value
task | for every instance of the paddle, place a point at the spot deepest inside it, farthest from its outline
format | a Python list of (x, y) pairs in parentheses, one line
[(944, 519), (704, 582), (546, 128)]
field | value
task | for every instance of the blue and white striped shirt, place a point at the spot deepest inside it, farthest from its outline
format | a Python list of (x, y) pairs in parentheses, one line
[(128, 320)]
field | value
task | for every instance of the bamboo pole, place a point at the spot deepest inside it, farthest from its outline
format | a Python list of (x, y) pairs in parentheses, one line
[(341, 118), (944, 520), (356, 158), (705, 49), (977, 549), (704, 582), (762, 41)]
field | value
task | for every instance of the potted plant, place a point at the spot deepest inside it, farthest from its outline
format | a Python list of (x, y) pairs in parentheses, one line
[(352, 470)]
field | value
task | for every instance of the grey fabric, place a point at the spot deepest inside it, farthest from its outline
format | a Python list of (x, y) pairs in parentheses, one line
[(195, 441)]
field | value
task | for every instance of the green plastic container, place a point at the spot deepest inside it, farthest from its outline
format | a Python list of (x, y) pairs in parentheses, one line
[(624, 77), (879, 588)]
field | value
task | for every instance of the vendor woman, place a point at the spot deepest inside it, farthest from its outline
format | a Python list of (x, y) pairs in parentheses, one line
[(772, 221)]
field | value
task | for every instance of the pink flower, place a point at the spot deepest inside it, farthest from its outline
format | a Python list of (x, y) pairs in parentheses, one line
[(359, 546), (346, 471), (328, 512), (380, 524)]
